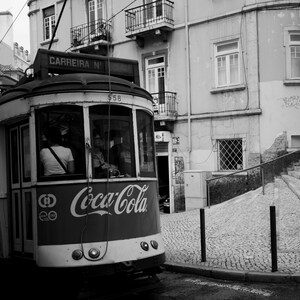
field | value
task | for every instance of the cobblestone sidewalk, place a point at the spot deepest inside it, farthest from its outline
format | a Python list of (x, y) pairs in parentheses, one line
[(238, 232)]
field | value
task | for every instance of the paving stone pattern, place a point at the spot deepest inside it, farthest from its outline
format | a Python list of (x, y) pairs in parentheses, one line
[(238, 232)]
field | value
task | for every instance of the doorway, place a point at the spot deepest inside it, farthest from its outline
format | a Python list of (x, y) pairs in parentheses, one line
[(163, 180), (20, 190)]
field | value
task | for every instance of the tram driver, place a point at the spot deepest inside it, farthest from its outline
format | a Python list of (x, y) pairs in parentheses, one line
[(55, 158), (101, 168), (120, 153)]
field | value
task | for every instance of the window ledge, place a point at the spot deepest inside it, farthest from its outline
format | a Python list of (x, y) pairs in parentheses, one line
[(232, 88), (290, 82), (48, 42)]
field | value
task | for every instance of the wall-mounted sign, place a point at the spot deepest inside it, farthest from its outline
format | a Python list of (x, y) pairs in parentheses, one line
[(162, 136), (175, 140)]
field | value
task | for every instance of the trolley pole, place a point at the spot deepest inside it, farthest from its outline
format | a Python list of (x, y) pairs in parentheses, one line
[(202, 231), (273, 238)]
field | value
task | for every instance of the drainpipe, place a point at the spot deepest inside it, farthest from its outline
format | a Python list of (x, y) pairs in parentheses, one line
[(258, 80), (188, 84), (71, 15)]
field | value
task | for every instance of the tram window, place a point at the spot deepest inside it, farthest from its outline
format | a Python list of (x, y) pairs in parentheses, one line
[(14, 146), (64, 125), (146, 144), (114, 126), (25, 153)]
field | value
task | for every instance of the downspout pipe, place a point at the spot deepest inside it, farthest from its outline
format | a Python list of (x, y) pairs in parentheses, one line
[(188, 82)]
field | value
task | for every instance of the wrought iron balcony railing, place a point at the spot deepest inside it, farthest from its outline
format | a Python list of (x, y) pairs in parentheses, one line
[(154, 15), (89, 33), (165, 105)]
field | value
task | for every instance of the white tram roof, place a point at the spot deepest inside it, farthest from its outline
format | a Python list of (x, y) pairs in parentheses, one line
[(77, 72), (76, 82)]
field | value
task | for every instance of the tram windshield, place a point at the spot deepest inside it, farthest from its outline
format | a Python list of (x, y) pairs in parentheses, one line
[(62, 148), (112, 131)]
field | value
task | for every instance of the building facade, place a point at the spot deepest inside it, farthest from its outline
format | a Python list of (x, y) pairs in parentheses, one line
[(224, 75), (14, 59)]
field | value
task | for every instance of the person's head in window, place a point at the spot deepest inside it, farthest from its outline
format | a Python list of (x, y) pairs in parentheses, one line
[(55, 158), (120, 153), (98, 141), (53, 136)]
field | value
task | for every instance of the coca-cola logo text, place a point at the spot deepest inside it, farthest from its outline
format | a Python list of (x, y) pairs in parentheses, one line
[(131, 199)]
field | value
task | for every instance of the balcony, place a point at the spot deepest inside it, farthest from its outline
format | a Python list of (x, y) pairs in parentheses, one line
[(89, 36), (151, 18), (165, 106)]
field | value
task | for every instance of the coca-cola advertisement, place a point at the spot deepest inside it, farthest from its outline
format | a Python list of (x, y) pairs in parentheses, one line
[(102, 211)]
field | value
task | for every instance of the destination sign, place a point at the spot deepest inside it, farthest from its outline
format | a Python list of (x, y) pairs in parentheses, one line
[(75, 63), (57, 62)]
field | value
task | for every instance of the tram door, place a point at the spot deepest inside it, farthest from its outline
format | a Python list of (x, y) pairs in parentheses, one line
[(20, 190)]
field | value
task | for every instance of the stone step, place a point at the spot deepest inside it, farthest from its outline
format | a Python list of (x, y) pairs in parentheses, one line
[(293, 183), (295, 174)]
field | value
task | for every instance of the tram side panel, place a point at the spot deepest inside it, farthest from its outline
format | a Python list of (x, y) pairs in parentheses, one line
[(4, 249)]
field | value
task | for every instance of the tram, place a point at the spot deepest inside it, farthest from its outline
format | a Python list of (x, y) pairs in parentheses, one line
[(70, 208)]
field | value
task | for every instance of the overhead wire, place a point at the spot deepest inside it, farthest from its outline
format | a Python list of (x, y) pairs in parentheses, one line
[(56, 25), (106, 228), (13, 22)]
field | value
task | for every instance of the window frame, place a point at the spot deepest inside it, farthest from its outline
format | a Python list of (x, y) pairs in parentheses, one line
[(156, 67), (154, 11), (96, 14), (93, 16), (288, 43), (217, 156), (52, 22), (159, 95), (39, 134), (227, 53), (98, 114)]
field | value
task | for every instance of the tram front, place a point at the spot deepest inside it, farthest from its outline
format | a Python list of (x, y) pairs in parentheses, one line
[(82, 186)]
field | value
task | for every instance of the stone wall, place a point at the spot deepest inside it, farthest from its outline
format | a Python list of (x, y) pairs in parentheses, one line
[(226, 188), (278, 148)]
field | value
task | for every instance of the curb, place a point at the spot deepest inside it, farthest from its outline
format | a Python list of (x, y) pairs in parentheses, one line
[(234, 275)]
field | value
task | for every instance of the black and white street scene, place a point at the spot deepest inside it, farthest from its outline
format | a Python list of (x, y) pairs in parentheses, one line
[(150, 149)]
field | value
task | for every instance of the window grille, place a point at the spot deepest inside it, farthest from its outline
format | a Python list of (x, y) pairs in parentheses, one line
[(230, 154)]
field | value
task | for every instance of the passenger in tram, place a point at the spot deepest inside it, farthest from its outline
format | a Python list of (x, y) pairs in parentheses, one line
[(101, 168), (55, 158), (121, 154)]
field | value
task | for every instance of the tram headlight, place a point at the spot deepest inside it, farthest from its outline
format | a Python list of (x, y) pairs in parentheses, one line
[(94, 253), (77, 254), (144, 246), (154, 244)]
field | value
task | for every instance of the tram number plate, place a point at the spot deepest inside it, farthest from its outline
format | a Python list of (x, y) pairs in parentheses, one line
[(114, 98)]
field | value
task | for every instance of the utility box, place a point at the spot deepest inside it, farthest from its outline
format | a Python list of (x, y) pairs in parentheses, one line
[(195, 189)]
